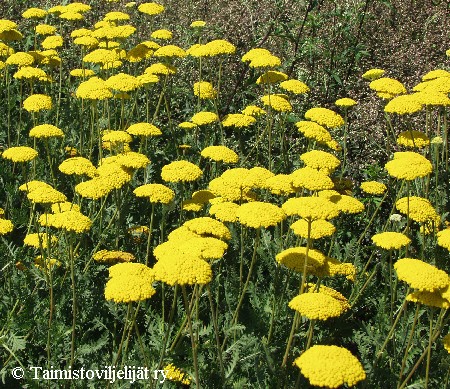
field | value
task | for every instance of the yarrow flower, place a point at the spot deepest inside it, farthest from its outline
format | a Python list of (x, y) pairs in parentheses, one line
[(388, 85), (204, 117), (413, 139), (156, 193), (220, 154), (421, 275), (259, 214), (238, 120), (325, 117), (373, 187), (312, 130), (330, 366), (172, 373), (204, 90), (161, 34), (181, 171), (225, 211), (316, 306), (320, 160), (6, 226), (206, 226), (46, 131), (144, 130), (294, 86), (311, 179), (390, 240), (150, 8), (113, 256), (20, 154), (70, 220), (420, 209), (37, 102), (311, 208), (277, 102), (345, 102), (408, 165), (405, 104), (317, 228), (373, 74)]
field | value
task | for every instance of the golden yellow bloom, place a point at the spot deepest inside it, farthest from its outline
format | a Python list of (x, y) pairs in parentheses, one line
[(373, 74), (93, 89), (311, 179), (115, 16), (128, 288), (259, 214), (253, 110), (295, 86), (156, 193), (198, 24), (70, 220), (161, 68), (34, 13), (151, 8), (388, 85), (45, 29), (238, 120), (113, 256), (408, 166), (122, 82), (225, 211), (420, 209), (6, 226), (330, 366), (277, 102), (325, 117), (294, 258), (37, 102), (265, 61), (20, 154), (390, 240), (373, 187), (52, 42), (311, 208), (39, 240), (170, 51), (432, 299), (443, 238), (206, 226), (204, 117), (316, 306), (405, 104), (413, 139), (181, 171), (220, 154), (320, 160), (271, 77), (46, 131), (319, 228), (345, 102), (46, 195), (173, 373), (78, 166), (312, 130), (421, 275), (204, 90), (161, 34)]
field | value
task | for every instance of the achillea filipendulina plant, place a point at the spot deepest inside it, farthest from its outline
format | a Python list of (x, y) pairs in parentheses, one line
[(330, 366), (325, 117)]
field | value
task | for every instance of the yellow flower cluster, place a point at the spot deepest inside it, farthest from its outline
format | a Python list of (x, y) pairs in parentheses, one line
[(37, 102), (46, 131), (258, 214), (373, 187), (271, 77), (390, 240), (204, 90), (311, 208), (278, 103), (204, 117), (402, 105), (78, 166), (113, 256), (316, 306), (224, 211), (6, 226), (20, 154), (320, 160), (294, 86), (421, 275), (413, 139), (156, 193), (311, 179), (280, 184), (318, 228), (39, 240), (420, 209), (294, 258), (220, 154), (181, 171), (173, 373), (93, 89), (373, 74), (129, 282), (122, 82), (388, 86), (432, 299), (443, 238), (69, 220), (325, 117), (345, 102), (330, 366), (206, 226), (46, 195), (408, 165), (238, 120), (312, 130)]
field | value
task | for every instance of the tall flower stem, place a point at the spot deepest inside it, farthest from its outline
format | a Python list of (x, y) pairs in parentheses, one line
[(216, 332), (149, 238), (411, 334), (69, 237), (193, 341)]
